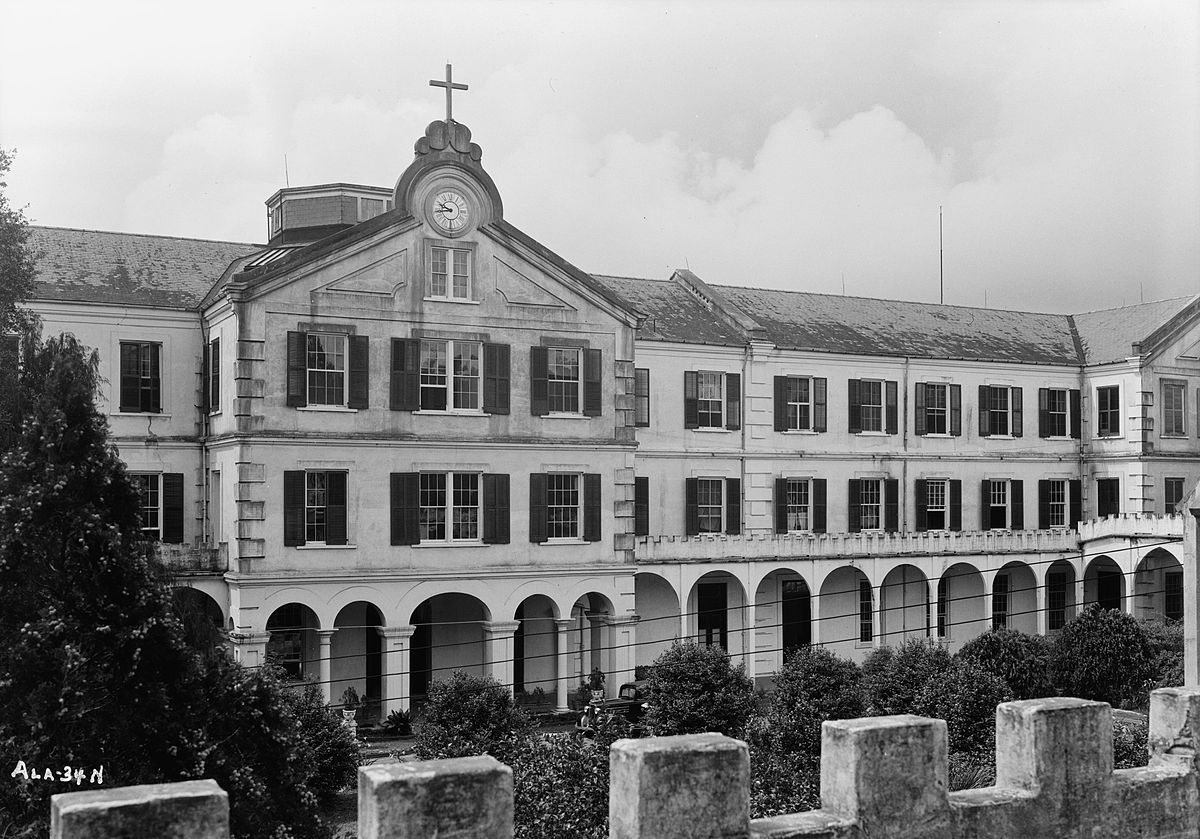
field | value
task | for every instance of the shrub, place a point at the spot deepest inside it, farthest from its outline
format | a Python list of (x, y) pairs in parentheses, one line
[(694, 689), (1129, 744), (892, 678), (399, 723), (1103, 654), (469, 715), (971, 770), (965, 696), (1021, 661), (781, 781), (1166, 652), (813, 685)]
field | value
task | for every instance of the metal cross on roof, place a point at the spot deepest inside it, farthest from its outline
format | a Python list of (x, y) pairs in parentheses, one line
[(450, 88)]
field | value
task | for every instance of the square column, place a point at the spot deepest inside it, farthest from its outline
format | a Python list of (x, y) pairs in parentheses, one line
[(623, 636), (324, 641), (396, 664), (564, 679), (250, 648), (498, 651)]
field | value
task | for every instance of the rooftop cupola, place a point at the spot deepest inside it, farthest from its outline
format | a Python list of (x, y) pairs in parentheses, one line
[(302, 214)]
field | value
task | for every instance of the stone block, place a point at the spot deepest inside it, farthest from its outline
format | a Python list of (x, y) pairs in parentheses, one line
[(466, 798), (186, 810), (1174, 733), (695, 786), (888, 774)]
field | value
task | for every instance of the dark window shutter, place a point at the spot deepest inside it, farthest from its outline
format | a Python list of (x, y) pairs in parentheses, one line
[(497, 378), (293, 508), (591, 507), (131, 397), (818, 505), (495, 509), (956, 410), (406, 508), (985, 504), (984, 415), (854, 508), (539, 385), (537, 505), (153, 401), (819, 411), (1016, 502), (733, 506), (956, 505), (297, 372), (359, 395), (733, 401), (641, 506), (781, 523), (691, 506), (206, 378), (335, 508), (1076, 416), (405, 385), (854, 407), (1043, 505), (890, 400), (919, 412), (1076, 502), (214, 373), (1015, 398), (781, 385), (891, 505), (172, 506), (1043, 412), (691, 400), (593, 384), (641, 396), (922, 499)]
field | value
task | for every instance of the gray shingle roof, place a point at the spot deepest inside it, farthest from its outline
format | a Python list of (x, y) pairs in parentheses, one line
[(672, 314), (92, 266), (1109, 335)]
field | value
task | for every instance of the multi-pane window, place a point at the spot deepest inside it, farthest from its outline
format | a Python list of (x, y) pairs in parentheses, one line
[(997, 504), (1056, 497), (1000, 602), (286, 644), (450, 375), (798, 398), (1172, 409), (449, 506), (871, 405), (450, 273), (326, 363), (710, 504), (149, 504), (943, 607), (141, 383), (1056, 600), (798, 499), (1173, 595), (866, 628), (1172, 493), (1108, 497), (641, 397), (563, 498), (870, 504), (1056, 412), (937, 505), (1108, 411), (711, 399), (997, 408), (936, 408), (563, 379)]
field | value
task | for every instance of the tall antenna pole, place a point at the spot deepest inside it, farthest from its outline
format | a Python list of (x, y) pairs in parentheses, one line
[(941, 261), (286, 182)]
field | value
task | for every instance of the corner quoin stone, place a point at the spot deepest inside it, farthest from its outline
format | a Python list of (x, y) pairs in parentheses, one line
[(693, 786), (184, 810), (464, 798)]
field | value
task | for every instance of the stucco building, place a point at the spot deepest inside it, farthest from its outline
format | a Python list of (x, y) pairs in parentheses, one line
[(401, 438)]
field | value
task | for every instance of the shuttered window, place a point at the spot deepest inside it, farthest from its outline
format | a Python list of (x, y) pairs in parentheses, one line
[(1108, 411), (641, 506), (641, 397), (564, 506), (325, 507), (213, 385), (800, 403), (141, 377)]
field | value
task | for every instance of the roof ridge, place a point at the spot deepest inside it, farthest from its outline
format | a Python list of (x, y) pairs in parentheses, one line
[(146, 235), (1132, 305)]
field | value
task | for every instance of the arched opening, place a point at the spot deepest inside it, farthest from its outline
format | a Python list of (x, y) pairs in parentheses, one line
[(356, 658), (449, 635), (1014, 598), (534, 650), (590, 644), (1158, 587), (657, 605), (201, 616), (783, 609), (1060, 595), (293, 643), (904, 601), (717, 602), (961, 606), (847, 604), (1103, 583)]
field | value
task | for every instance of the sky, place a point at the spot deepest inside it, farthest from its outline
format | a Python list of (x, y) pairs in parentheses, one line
[(801, 145)]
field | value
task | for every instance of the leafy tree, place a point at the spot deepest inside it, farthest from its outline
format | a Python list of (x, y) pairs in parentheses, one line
[(696, 688), (1103, 654), (965, 696), (813, 685), (18, 262), (470, 715), (892, 678), (1166, 652), (1022, 661)]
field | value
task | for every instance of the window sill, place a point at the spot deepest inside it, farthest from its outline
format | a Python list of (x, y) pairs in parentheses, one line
[(566, 416), (466, 543), (562, 542), (873, 434), (321, 546), (940, 435), (1173, 436), (863, 645), (452, 300), (804, 431), (710, 430), (214, 413), (999, 437), (451, 413), (140, 414), (328, 409)]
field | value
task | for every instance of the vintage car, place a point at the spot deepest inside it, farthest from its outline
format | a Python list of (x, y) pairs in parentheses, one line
[(629, 703)]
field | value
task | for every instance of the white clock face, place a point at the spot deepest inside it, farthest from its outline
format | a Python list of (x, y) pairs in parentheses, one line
[(450, 211)]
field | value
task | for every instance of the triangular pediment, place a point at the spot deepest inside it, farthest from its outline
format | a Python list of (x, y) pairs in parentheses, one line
[(514, 281), (383, 275)]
